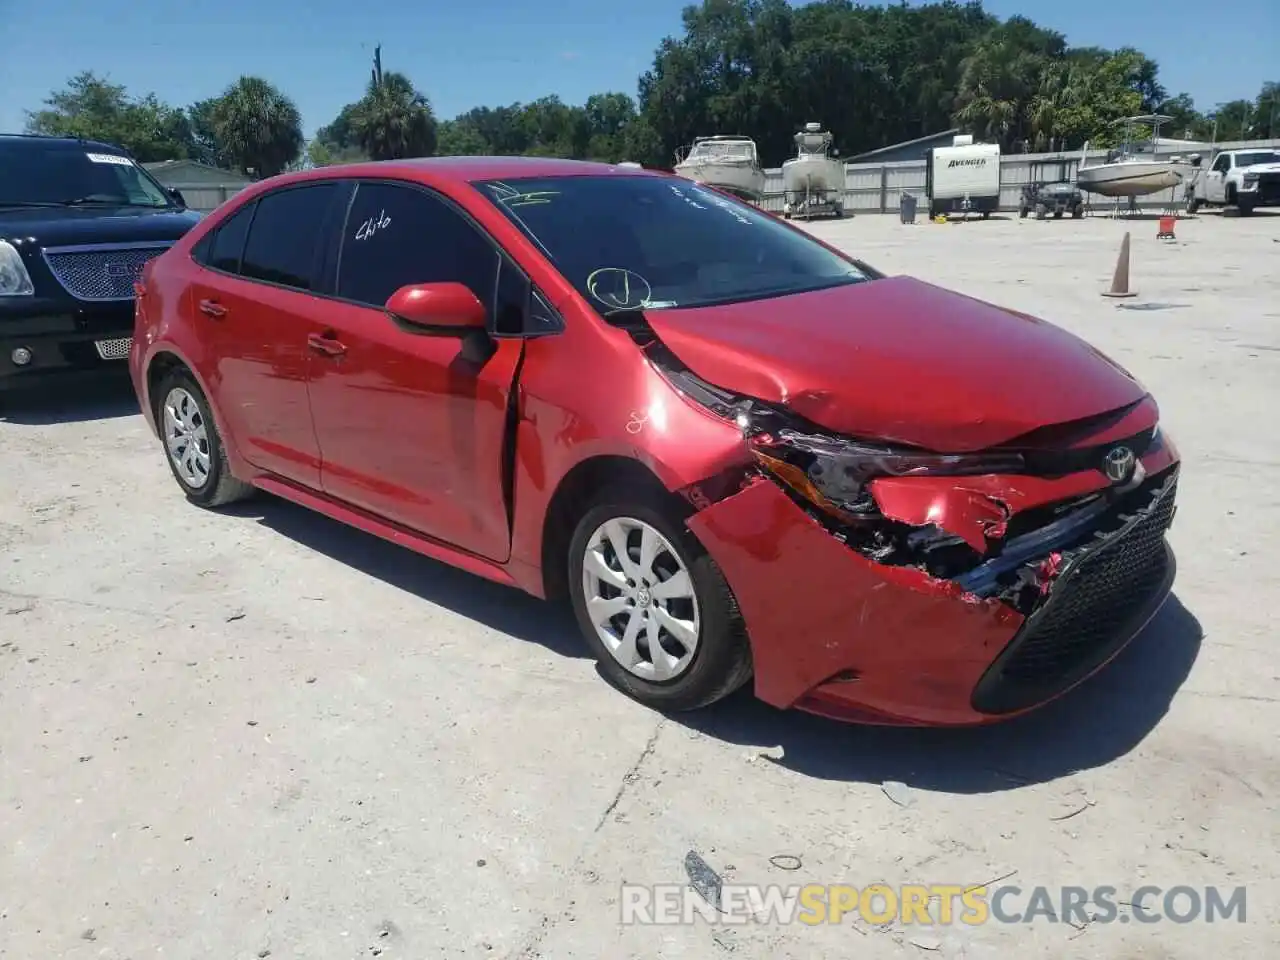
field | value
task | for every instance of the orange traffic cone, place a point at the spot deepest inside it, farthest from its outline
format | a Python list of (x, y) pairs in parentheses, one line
[(1120, 280)]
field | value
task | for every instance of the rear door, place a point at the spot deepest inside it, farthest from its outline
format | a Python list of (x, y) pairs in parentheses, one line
[(254, 306)]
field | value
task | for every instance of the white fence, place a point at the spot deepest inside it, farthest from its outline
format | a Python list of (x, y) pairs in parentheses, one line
[(878, 187)]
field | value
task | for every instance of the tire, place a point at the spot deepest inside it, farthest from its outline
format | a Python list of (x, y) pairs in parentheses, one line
[(720, 660), (1057, 214), (205, 480), (1077, 212), (1041, 211), (1193, 204), (1022, 213)]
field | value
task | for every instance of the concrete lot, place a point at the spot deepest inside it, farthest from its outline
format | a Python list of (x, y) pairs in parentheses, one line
[(223, 735)]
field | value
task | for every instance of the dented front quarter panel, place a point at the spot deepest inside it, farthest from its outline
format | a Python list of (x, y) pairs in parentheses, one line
[(814, 608), (911, 647), (633, 413)]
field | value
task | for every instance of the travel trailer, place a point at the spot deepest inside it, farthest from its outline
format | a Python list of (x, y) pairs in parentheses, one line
[(963, 178)]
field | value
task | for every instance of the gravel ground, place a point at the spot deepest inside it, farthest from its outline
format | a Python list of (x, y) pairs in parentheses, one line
[(262, 734)]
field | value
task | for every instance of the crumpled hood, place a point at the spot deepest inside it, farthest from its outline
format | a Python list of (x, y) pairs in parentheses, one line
[(899, 360)]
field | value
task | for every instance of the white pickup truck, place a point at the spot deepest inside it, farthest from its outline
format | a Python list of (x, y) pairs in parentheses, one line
[(1244, 179)]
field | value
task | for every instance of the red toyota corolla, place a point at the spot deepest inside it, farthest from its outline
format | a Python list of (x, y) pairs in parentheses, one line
[(737, 452)]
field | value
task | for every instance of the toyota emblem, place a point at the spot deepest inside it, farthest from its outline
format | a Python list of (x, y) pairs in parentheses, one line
[(1118, 464)]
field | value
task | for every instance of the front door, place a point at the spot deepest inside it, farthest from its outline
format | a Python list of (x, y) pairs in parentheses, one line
[(253, 310), (1215, 188), (412, 427)]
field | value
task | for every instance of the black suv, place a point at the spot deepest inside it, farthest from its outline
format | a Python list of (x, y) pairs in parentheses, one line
[(78, 219)]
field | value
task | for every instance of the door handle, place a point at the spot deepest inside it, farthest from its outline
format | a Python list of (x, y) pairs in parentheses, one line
[(212, 308), (325, 345)]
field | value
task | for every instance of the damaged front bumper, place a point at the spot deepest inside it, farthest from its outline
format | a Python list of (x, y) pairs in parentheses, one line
[(918, 626)]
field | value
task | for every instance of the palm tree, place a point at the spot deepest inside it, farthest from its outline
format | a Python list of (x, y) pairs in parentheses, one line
[(258, 127), (394, 120)]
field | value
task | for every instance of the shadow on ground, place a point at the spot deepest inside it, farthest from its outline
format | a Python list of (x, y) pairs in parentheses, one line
[(1098, 722), (502, 608), (102, 398)]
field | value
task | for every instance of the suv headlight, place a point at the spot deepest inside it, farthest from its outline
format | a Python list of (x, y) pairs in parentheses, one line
[(1250, 179), (14, 279)]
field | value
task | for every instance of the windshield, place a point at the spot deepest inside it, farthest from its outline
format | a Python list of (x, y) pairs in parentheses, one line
[(39, 174), (645, 243), (1257, 156)]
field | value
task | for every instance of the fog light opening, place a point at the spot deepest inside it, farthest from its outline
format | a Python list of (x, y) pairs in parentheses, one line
[(20, 357)]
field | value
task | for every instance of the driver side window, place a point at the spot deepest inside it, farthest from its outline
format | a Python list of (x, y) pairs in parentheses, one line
[(1222, 164)]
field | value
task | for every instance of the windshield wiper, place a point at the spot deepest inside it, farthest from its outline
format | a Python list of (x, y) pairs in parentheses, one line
[(29, 203), (94, 201)]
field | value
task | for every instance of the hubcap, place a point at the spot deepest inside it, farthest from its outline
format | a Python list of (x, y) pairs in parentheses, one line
[(640, 599), (186, 437)]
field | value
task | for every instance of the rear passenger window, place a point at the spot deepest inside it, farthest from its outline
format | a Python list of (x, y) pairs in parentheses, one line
[(286, 234), (397, 235), (228, 241)]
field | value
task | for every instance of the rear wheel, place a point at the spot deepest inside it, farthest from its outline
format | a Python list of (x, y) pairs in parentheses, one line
[(653, 605), (197, 459)]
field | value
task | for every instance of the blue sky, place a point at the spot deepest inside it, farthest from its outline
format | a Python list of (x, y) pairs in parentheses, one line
[(489, 52)]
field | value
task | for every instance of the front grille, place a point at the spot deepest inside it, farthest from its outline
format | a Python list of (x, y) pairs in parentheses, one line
[(1104, 590), (117, 349), (100, 272)]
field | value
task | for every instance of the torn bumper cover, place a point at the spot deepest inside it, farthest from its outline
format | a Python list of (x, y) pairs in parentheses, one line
[(942, 600)]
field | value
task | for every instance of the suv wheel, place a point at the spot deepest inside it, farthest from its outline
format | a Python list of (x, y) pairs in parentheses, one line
[(655, 609), (193, 447)]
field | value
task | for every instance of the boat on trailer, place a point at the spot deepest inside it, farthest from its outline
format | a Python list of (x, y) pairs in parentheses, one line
[(725, 161), (1132, 169), (813, 180)]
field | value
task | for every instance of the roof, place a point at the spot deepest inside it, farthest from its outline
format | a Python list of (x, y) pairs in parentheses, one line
[(160, 168), (40, 139), (905, 143), (465, 169)]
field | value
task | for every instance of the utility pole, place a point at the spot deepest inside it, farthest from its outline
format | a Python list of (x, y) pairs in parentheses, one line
[(377, 66)]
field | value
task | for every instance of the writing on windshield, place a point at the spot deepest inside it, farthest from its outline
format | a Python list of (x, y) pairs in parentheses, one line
[(648, 242)]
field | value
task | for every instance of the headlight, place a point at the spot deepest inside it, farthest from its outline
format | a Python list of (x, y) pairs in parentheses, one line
[(837, 471), (1250, 179), (14, 279)]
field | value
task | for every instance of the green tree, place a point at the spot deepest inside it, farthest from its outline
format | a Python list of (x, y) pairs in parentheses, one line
[(95, 109), (257, 128), (394, 120)]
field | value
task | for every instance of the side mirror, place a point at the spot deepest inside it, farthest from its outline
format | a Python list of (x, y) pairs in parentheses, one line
[(440, 308), (176, 196)]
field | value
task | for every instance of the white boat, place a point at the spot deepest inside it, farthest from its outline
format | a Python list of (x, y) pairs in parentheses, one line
[(730, 163), (813, 180), (1132, 170)]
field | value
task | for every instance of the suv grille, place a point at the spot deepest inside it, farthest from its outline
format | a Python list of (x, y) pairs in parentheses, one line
[(102, 271), (1092, 610)]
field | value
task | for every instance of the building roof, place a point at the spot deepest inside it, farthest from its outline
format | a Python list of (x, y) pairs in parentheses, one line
[(167, 166), (872, 154)]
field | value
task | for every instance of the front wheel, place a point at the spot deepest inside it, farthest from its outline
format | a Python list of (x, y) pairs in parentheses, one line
[(653, 605)]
